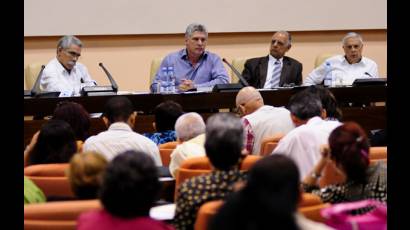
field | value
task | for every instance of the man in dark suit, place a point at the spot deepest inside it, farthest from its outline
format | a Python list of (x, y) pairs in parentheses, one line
[(274, 70)]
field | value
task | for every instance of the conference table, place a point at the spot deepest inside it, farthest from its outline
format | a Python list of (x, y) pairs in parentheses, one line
[(363, 104)]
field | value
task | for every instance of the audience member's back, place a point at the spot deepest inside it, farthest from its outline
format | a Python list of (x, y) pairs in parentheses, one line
[(166, 114), (119, 117), (302, 144), (55, 144), (129, 189), (268, 200), (223, 145)]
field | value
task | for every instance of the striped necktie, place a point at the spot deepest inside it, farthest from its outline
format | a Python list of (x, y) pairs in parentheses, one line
[(274, 81)]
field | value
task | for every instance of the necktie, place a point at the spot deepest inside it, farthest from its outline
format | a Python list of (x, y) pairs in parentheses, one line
[(274, 81)]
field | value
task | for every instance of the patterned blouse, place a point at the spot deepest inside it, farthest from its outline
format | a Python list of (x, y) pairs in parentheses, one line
[(198, 190), (376, 188), (162, 137)]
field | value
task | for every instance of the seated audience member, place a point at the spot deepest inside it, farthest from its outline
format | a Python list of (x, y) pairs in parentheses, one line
[(302, 144), (348, 67), (130, 188), (274, 70), (32, 193), (85, 174), (329, 102), (223, 145), (260, 120), (190, 130), (55, 144), (64, 73), (349, 149), (119, 117), (269, 199), (193, 66), (75, 115), (166, 113)]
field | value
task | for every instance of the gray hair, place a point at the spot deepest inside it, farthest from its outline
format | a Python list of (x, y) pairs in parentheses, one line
[(352, 35), (68, 40), (189, 125), (287, 34), (195, 27)]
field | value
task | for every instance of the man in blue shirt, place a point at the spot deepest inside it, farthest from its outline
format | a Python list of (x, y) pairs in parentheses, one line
[(193, 66)]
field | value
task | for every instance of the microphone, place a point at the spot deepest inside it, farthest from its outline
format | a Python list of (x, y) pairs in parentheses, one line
[(113, 83), (36, 87), (241, 78), (101, 90)]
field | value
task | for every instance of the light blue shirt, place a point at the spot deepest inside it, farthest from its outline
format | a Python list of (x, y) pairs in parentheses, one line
[(207, 72)]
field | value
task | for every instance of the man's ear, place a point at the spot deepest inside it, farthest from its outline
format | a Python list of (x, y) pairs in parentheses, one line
[(296, 121), (154, 125), (106, 121), (323, 114), (132, 118)]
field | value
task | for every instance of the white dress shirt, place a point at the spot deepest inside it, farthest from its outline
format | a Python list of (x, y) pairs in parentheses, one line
[(302, 144), (366, 68), (120, 138), (188, 149), (271, 67), (56, 78)]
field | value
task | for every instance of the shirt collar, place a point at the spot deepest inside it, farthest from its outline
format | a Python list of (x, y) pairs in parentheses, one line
[(120, 126), (273, 59), (62, 69)]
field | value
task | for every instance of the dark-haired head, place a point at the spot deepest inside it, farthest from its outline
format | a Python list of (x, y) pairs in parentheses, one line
[(166, 114), (303, 106), (55, 144), (328, 100), (349, 148), (224, 140), (75, 115), (118, 109), (130, 185)]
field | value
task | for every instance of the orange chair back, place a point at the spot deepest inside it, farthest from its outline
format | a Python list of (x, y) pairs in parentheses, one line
[(56, 215), (169, 145), (165, 156), (309, 199), (201, 165), (313, 212), (50, 178), (269, 144), (205, 213), (378, 153)]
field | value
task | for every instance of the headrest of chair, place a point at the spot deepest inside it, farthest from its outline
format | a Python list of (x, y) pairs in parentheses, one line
[(50, 170)]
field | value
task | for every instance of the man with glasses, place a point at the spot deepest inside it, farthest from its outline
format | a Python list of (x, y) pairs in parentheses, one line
[(64, 73), (274, 70), (193, 66)]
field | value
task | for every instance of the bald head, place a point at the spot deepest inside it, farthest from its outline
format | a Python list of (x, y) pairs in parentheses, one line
[(249, 100), (189, 125)]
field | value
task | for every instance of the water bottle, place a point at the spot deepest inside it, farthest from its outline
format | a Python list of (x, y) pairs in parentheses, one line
[(164, 80), (171, 77), (328, 75)]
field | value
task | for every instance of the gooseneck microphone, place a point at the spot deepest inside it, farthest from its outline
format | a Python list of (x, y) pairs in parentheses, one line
[(241, 78), (36, 88), (113, 83)]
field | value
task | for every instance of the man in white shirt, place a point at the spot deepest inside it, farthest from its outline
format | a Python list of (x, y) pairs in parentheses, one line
[(119, 117), (302, 144), (260, 120), (190, 131), (345, 68), (63, 73)]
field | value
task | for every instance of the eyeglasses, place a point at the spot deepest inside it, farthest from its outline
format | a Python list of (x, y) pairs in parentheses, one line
[(72, 53)]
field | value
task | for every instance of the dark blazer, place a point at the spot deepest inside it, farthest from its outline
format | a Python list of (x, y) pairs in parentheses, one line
[(256, 69)]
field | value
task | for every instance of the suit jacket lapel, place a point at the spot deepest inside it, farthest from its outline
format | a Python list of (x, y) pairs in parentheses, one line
[(263, 70), (285, 70)]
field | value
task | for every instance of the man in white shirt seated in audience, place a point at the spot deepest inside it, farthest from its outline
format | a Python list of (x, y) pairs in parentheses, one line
[(119, 117), (63, 73), (260, 120), (345, 68), (190, 131), (302, 144)]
